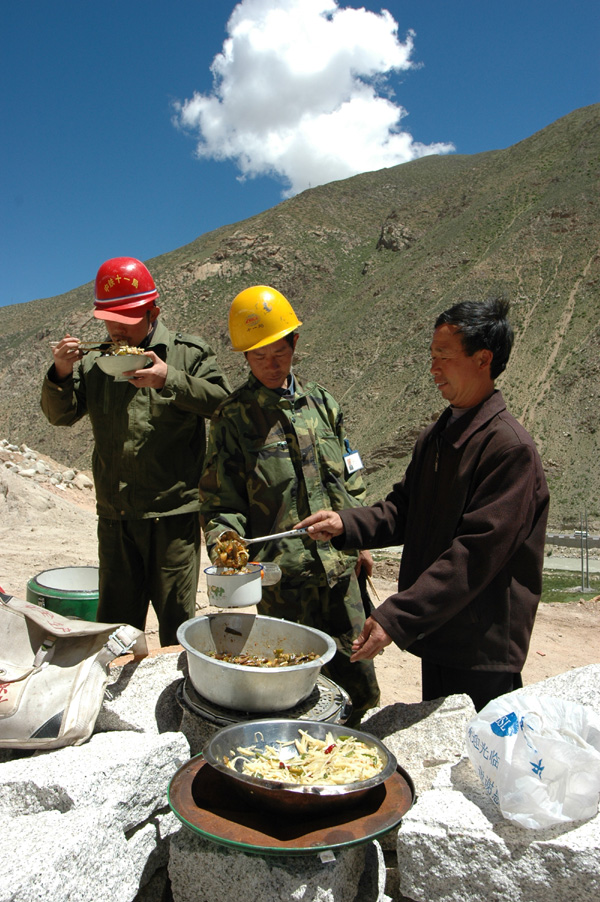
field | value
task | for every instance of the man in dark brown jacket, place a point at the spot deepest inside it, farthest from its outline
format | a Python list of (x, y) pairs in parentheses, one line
[(471, 513)]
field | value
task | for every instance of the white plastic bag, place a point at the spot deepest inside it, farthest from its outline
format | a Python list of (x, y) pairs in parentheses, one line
[(538, 758)]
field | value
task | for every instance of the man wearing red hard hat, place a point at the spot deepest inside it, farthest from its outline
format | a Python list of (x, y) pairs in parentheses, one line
[(149, 445)]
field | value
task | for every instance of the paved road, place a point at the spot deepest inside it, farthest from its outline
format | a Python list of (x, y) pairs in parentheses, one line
[(571, 563), (551, 562)]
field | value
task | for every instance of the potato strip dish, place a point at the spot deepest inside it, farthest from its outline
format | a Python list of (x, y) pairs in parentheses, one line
[(316, 762)]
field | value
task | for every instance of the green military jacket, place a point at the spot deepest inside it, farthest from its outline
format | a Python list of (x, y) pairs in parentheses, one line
[(149, 445), (272, 461)]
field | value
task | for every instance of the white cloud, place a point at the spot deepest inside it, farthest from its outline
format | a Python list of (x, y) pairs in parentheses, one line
[(300, 93)]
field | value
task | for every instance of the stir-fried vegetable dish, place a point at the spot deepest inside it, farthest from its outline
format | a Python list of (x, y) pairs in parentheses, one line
[(231, 552), (281, 659)]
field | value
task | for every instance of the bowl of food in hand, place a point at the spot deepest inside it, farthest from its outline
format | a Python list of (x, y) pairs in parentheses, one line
[(300, 766), (120, 359), (252, 663)]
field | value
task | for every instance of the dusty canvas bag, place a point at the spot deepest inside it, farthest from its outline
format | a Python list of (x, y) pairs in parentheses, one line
[(53, 674)]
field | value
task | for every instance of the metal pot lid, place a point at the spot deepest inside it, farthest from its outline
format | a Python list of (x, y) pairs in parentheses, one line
[(199, 796), (328, 702)]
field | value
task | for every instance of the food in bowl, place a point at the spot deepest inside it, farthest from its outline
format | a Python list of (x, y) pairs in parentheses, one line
[(228, 588), (116, 364), (230, 552), (308, 760), (281, 659), (253, 689), (119, 349), (294, 799), (233, 571)]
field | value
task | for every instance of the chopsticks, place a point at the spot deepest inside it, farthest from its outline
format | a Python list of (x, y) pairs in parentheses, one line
[(370, 581), (89, 345), (93, 345)]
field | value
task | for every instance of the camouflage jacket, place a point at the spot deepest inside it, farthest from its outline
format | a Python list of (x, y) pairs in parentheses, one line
[(149, 445), (272, 461)]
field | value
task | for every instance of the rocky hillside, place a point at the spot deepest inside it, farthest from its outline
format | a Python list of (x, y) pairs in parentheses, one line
[(368, 262)]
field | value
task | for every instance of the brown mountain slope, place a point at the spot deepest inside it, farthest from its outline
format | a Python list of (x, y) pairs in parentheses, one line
[(368, 262)]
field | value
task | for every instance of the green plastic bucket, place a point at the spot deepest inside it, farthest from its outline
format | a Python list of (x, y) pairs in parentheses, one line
[(69, 591)]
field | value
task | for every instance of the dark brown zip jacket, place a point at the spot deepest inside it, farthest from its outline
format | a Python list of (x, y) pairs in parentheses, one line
[(471, 513)]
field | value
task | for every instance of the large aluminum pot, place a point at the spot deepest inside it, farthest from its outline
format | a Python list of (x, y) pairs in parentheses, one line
[(255, 689)]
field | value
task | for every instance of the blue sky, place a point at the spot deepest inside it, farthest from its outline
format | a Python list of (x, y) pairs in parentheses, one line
[(104, 106)]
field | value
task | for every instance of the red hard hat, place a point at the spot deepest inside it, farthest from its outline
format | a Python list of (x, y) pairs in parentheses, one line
[(124, 290)]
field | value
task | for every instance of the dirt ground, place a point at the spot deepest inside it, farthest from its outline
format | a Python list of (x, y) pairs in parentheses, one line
[(43, 527)]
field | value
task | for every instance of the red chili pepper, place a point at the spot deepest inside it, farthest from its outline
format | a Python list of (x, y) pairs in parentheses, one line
[(330, 748), (282, 765)]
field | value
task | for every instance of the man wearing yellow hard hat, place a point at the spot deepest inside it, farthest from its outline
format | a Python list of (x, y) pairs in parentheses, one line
[(277, 452)]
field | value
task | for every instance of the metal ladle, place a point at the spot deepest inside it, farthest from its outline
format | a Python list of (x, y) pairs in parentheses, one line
[(231, 534), (271, 572)]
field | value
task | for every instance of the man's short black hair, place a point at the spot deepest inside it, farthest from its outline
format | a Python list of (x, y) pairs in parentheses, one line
[(482, 324), (290, 338)]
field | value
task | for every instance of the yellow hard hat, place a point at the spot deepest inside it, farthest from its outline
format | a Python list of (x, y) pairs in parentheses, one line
[(259, 316)]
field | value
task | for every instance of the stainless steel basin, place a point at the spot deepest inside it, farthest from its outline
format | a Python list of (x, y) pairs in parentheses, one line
[(290, 798), (254, 689)]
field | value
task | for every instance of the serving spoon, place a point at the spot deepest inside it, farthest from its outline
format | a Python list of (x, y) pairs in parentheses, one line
[(231, 534)]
